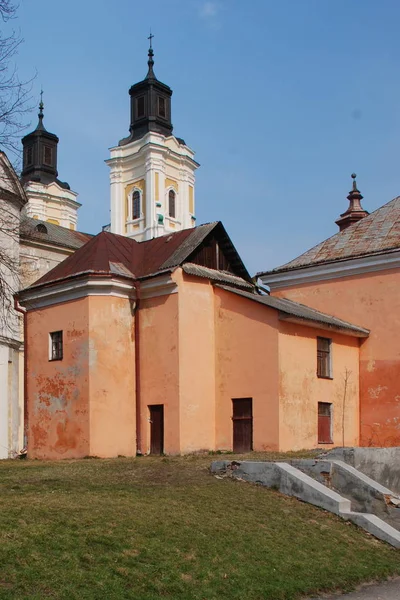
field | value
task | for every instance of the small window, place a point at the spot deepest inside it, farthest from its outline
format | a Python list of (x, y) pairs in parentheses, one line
[(171, 204), (135, 204), (140, 107), (324, 363), (41, 228), (56, 345), (47, 155), (162, 109), (324, 423), (29, 155)]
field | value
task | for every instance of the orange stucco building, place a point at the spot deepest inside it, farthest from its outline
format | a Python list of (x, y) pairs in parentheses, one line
[(355, 275), (168, 346)]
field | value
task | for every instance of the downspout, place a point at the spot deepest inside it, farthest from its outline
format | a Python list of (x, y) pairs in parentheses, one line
[(137, 373), (21, 310)]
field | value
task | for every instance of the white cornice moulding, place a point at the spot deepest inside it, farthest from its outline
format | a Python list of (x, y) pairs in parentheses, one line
[(158, 286), (74, 290), (334, 270)]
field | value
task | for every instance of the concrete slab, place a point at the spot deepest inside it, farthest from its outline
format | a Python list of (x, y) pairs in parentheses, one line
[(293, 482), (389, 590)]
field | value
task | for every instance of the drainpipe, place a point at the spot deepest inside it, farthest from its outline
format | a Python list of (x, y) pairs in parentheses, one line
[(137, 373), (21, 310)]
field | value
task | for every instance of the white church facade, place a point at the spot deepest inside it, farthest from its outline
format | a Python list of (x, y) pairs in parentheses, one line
[(152, 172)]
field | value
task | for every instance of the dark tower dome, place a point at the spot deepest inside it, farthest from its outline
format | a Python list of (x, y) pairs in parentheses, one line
[(150, 105), (40, 154)]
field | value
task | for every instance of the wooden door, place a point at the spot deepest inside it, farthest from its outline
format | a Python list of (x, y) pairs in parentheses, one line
[(324, 423), (242, 424), (156, 429)]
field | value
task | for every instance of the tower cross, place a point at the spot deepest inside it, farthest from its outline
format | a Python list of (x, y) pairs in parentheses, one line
[(150, 38), (41, 105)]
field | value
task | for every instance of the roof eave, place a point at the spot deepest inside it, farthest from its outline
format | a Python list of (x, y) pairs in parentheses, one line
[(353, 332)]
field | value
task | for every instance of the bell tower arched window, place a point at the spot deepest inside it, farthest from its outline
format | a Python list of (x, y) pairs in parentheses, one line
[(171, 203), (136, 204)]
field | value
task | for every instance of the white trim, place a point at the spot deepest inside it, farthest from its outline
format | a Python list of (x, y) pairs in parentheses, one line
[(158, 286), (130, 218), (73, 290), (333, 270)]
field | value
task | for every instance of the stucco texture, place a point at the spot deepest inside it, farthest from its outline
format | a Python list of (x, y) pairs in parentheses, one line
[(300, 389), (372, 301), (57, 403), (82, 405), (246, 367), (159, 368)]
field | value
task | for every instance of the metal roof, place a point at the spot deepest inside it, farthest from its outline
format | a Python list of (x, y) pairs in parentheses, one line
[(214, 275), (377, 233), (112, 254), (299, 312), (56, 235)]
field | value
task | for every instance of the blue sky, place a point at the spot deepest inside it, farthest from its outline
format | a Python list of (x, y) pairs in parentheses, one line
[(281, 101)]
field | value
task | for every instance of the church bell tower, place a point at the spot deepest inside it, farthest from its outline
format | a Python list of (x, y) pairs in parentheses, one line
[(49, 199), (151, 171)]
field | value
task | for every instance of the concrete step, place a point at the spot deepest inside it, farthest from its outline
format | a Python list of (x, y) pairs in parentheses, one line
[(291, 481)]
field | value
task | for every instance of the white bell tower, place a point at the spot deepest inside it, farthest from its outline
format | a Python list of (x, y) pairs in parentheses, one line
[(151, 171)]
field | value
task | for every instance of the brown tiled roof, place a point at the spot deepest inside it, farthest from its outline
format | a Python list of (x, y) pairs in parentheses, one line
[(56, 235), (111, 254), (300, 312), (377, 233)]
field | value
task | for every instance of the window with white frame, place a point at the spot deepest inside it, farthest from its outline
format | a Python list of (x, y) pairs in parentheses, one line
[(136, 204), (56, 345), (172, 204)]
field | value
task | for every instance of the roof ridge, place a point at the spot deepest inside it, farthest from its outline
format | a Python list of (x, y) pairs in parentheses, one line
[(376, 233)]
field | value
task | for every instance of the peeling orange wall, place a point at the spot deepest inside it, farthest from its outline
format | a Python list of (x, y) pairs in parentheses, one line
[(83, 404), (159, 367), (196, 364), (372, 301), (301, 389), (58, 390), (247, 367), (111, 377)]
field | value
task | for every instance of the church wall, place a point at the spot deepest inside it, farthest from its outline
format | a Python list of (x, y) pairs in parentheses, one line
[(111, 364), (197, 365), (159, 367), (246, 367), (300, 389), (35, 261), (4, 403), (10, 337), (372, 301), (58, 391)]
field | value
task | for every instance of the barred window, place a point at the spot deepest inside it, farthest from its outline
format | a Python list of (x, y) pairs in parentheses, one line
[(324, 363), (171, 204), (56, 345), (135, 205)]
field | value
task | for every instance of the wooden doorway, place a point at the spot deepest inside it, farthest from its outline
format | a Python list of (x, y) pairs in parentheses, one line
[(242, 424), (156, 429), (325, 423)]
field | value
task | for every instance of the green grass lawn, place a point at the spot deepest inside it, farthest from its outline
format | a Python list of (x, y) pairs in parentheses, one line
[(149, 528)]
